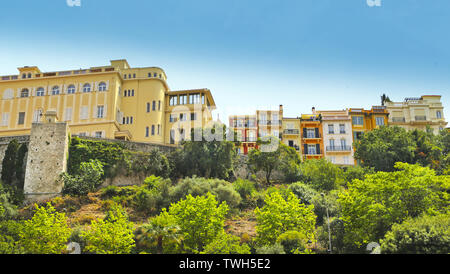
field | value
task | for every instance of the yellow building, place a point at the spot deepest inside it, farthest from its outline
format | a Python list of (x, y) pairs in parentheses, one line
[(312, 136), (292, 133), (114, 102), (366, 120), (418, 113)]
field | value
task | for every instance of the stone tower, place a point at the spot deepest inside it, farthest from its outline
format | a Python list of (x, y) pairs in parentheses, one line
[(47, 158)]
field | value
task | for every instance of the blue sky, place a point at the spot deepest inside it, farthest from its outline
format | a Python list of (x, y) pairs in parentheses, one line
[(330, 54)]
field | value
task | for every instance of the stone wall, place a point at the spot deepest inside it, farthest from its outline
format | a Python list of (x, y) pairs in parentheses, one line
[(47, 159), (135, 146)]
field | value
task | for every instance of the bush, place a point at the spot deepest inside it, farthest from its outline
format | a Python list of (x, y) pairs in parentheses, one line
[(153, 195), (46, 233), (322, 203), (226, 244), (303, 191), (88, 180), (422, 235), (223, 190), (293, 242), (321, 174), (9, 237), (276, 248), (112, 235)]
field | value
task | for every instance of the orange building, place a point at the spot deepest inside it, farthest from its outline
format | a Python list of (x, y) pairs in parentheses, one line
[(312, 136)]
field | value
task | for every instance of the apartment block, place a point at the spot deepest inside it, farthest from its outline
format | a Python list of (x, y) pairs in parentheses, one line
[(418, 113), (312, 135), (114, 101)]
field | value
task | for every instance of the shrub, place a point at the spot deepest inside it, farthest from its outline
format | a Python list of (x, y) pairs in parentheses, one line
[(321, 174), (46, 232), (303, 191), (88, 180), (223, 190), (276, 248), (422, 235), (112, 235), (226, 244), (293, 242)]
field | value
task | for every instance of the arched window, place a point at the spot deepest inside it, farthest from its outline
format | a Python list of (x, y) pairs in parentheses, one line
[(102, 86), (24, 93), (55, 90), (71, 89), (87, 88), (40, 92), (29, 75)]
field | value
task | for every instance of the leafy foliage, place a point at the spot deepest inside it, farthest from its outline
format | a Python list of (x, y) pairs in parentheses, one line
[(200, 220), (294, 242), (226, 244), (280, 215), (372, 206), (321, 174), (112, 235), (422, 235), (46, 232), (88, 179)]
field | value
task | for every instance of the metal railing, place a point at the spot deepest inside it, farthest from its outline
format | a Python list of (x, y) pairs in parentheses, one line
[(292, 131), (339, 148), (421, 118), (398, 119)]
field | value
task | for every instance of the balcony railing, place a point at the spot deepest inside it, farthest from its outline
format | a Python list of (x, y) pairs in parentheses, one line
[(292, 131), (339, 148), (421, 118), (269, 122), (398, 119), (313, 136), (251, 139)]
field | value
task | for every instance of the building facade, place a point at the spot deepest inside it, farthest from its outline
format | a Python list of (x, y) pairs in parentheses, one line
[(367, 120), (114, 102), (312, 136), (418, 113), (337, 136), (291, 133)]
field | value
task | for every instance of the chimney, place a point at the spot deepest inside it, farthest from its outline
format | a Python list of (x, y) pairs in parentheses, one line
[(313, 110)]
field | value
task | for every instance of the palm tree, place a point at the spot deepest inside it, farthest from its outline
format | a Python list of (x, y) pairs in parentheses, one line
[(157, 232)]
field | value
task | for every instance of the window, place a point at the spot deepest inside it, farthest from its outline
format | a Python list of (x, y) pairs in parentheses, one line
[(173, 100), (311, 149), (183, 99), (342, 128), (182, 117), (358, 120), (203, 99), (87, 88), (159, 105), (149, 74), (146, 131), (358, 135), (332, 143), (5, 119), (100, 111), (55, 90), (379, 121), (29, 75), (330, 129), (154, 105), (24, 76), (438, 114), (194, 98), (68, 114), (40, 92), (98, 134), (37, 115), (82, 134), (310, 133), (193, 116), (24, 93), (148, 107), (131, 119), (21, 118), (84, 113), (172, 136), (173, 118), (134, 75), (132, 92), (71, 89), (153, 130), (102, 86), (124, 76), (159, 129), (275, 118), (155, 74), (129, 76), (343, 143)]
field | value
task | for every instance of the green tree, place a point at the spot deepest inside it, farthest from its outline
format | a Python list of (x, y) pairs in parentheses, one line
[(321, 174), (277, 156), (226, 244), (280, 215), (112, 235), (20, 172), (9, 163), (372, 206), (204, 155), (46, 232), (381, 148), (89, 178), (294, 242), (421, 235), (200, 220)]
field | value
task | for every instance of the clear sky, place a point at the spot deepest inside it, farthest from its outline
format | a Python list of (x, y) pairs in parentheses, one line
[(330, 54)]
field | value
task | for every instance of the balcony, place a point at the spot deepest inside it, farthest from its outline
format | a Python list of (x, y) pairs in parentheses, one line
[(312, 136), (250, 139), (421, 118), (398, 119), (269, 122), (339, 148), (291, 131)]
